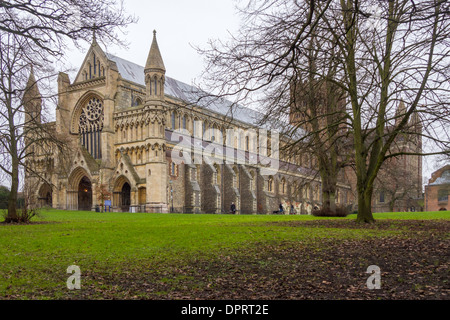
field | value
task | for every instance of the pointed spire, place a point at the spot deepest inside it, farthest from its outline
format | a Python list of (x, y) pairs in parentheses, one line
[(154, 60), (94, 36), (31, 78), (32, 83), (32, 101), (400, 112)]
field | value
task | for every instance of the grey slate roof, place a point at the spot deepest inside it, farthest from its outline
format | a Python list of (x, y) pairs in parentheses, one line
[(443, 179), (187, 93)]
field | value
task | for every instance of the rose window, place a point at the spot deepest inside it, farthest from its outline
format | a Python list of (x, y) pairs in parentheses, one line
[(91, 126)]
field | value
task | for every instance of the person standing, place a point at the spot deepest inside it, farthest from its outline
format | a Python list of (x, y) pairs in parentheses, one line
[(281, 211), (292, 209), (233, 208)]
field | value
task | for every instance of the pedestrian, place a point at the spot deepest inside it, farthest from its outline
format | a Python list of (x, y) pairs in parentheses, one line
[(292, 209), (281, 209), (233, 208)]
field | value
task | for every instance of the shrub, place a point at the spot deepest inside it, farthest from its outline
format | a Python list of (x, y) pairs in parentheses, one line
[(24, 214), (340, 212)]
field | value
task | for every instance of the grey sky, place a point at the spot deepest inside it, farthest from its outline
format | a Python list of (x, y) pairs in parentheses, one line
[(180, 24)]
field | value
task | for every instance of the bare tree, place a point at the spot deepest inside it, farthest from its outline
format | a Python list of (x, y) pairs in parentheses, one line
[(382, 53), (24, 133), (47, 25), (395, 182), (273, 65), (403, 58), (33, 34)]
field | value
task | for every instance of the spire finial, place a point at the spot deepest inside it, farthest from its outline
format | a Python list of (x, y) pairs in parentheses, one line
[(154, 60), (94, 36)]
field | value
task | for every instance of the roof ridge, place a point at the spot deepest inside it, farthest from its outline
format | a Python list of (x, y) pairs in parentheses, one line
[(134, 72)]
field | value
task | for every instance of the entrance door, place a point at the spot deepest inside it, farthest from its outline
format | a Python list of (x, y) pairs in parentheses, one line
[(45, 196), (126, 197), (85, 195)]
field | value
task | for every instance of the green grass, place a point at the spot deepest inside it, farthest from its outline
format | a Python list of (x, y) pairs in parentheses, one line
[(37, 255)]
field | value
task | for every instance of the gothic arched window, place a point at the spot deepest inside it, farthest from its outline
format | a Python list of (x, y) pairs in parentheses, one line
[(173, 122), (91, 126), (270, 184)]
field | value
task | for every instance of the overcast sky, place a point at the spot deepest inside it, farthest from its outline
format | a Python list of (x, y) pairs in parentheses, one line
[(180, 24)]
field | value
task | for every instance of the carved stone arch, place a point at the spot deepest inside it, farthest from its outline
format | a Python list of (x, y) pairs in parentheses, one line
[(45, 195), (132, 151), (80, 193), (74, 125), (120, 180), (75, 177), (122, 193)]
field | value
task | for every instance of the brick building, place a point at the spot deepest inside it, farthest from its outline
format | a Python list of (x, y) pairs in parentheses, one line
[(437, 192)]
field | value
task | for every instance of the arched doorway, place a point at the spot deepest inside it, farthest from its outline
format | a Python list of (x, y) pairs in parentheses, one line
[(122, 194), (45, 195), (85, 195), (125, 197)]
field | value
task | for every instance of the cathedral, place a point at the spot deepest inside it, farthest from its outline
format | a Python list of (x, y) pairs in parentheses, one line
[(139, 143)]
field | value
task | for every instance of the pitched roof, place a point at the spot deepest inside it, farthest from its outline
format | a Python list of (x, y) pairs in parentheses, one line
[(135, 73), (440, 177)]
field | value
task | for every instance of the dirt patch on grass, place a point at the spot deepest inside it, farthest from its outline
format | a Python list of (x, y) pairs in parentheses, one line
[(414, 266), (440, 226), (410, 269)]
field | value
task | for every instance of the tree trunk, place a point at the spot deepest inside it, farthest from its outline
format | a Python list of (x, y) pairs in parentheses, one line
[(365, 207), (328, 176), (329, 200), (12, 201)]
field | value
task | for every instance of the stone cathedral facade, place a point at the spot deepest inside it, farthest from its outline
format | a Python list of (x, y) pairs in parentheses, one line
[(124, 123)]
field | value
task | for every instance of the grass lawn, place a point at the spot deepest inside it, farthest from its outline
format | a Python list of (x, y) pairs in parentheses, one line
[(174, 256)]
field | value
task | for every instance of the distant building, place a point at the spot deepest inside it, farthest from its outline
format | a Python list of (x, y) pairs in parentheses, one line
[(437, 191), (398, 187)]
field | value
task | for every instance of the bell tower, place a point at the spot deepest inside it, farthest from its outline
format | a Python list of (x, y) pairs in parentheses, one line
[(157, 167)]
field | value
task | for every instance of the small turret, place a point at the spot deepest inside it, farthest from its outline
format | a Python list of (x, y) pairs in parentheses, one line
[(32, 100), (400, 113), (154, 74)]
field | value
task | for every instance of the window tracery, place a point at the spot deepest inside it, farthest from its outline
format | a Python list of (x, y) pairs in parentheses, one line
[(91, 126)]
